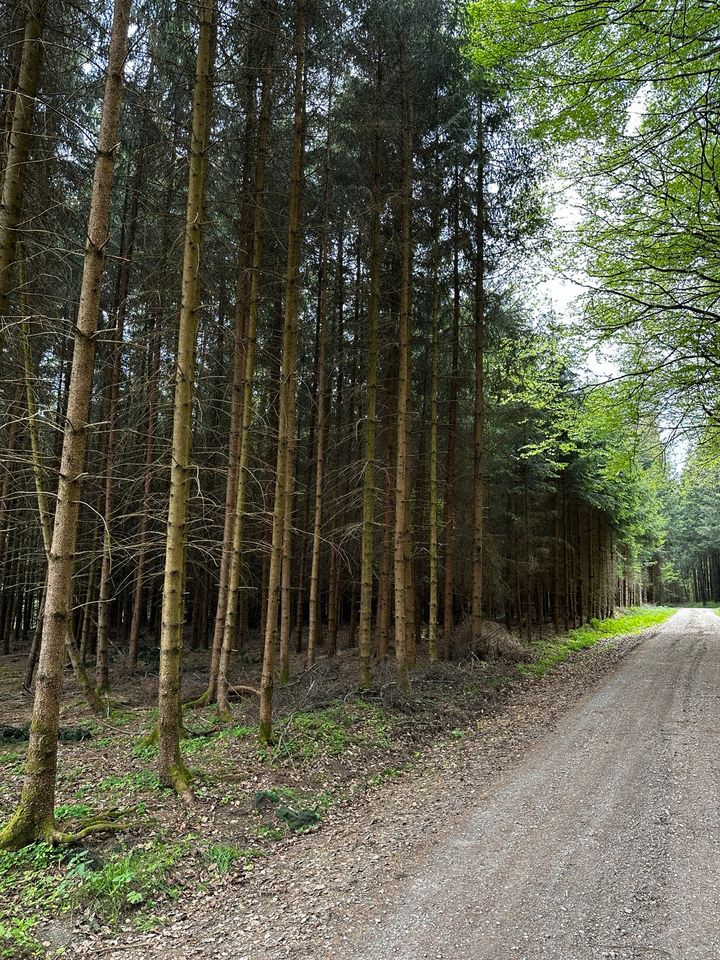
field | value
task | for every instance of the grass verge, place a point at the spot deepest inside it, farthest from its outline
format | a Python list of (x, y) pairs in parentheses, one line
[(635, 620)]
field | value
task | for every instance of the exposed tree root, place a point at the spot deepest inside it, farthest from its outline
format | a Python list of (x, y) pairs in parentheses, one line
[(23, 830), (202, 701), (243, 689), (179, 778), (106, 822), (224, 713)]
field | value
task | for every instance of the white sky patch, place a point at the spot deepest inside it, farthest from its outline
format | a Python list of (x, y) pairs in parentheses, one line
[(636, 110)]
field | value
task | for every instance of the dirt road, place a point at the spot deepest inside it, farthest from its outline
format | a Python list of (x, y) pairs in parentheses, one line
[(580, 823), (605, 842)]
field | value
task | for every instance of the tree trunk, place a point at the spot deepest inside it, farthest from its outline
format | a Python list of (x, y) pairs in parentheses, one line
[(402, 493), (102, 675), (366, 569), (13, 187), (34, 818), (448, 588), (286, 425), (244, 263), (479, 420), (292, 305), (314, 613), (138, 584), (246, 420), (171, 767)]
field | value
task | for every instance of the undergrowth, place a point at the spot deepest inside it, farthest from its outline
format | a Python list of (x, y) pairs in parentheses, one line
[(330, 731), (553, 652), (43, 879)]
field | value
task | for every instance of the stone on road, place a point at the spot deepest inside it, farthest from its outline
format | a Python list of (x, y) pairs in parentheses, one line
[(604, 843)]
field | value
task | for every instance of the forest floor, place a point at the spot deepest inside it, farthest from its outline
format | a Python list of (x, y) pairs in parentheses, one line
[(355, 821)]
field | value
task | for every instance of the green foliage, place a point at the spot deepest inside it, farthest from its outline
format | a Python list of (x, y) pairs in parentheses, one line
[(136, 781), (265, 832), (11, 758), (694, 517), (629, 88), (273, 795), (390, 773), (72, 811), (29, 882), (195, 745), (123, 883), (42, 879), (16, 940), (328, 732), (120, 718), (554, 652), (300, 820), (224, 855)]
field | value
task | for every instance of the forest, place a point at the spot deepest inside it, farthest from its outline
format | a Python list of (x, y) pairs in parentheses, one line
[(358, 362)]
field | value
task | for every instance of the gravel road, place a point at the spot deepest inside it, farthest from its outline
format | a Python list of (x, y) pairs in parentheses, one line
[(604, 842), (579, 823)]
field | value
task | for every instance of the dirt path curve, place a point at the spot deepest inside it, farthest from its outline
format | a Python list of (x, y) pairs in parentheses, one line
[(605, 842), (580, 823)]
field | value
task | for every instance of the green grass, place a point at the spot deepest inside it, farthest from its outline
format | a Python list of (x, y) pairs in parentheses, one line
[(389, 773), (43, 880), (72, 811), (553, 652), (136, 781), (224, 855), (126, 881), (12, 758), (709, 604), (329, 732)]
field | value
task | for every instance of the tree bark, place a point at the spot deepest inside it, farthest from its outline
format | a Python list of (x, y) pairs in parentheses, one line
[(171, 767), (246, 421), (479, 419), (34, 818), (448, 585), (403, 586), (286, 426), (236, 406), (13, 186), (368, 518)]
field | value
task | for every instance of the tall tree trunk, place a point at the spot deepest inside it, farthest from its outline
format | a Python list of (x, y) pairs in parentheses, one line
[(384, 604), (433, 487), (127, 244), (13, 186), (314, 613), (292, 304), (34, 818), (171, 767), (448, 585), (138, 583), (403, 585), (236, 405), (286, 426), (246, 420), (368, 518), (479, 424)]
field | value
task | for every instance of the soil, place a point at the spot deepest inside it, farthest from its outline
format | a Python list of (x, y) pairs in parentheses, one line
[(572, 817)]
